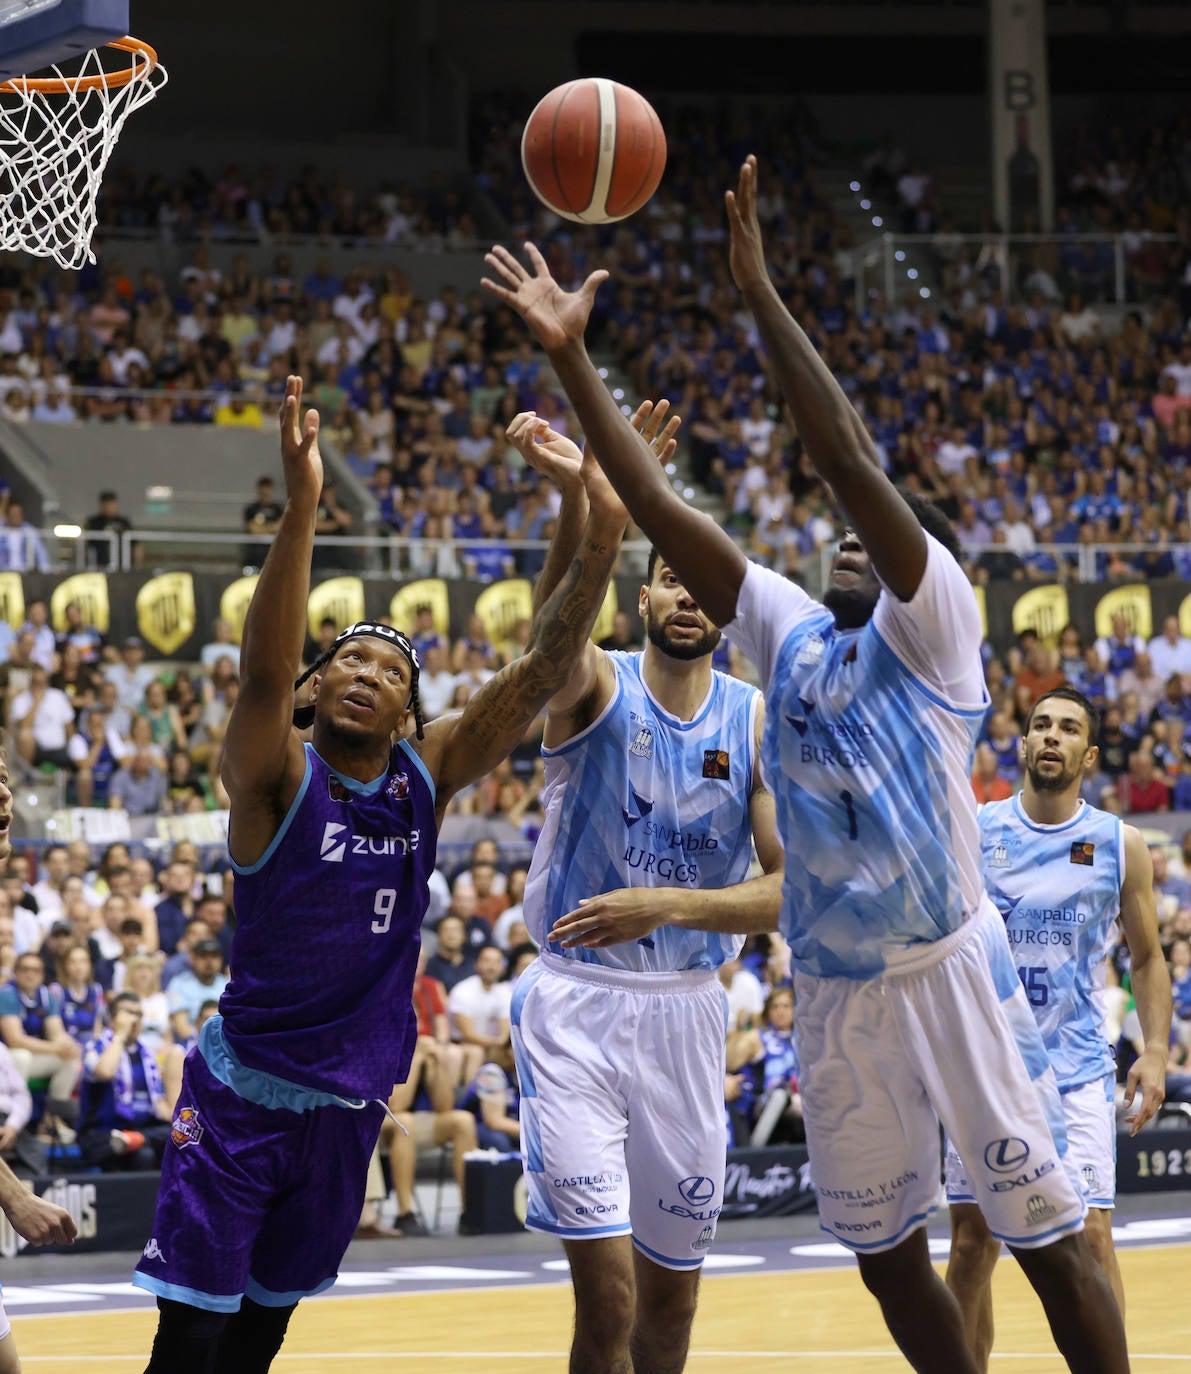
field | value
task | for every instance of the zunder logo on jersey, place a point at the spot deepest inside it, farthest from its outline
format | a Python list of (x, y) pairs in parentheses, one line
[(1083, 852), (332, 850)]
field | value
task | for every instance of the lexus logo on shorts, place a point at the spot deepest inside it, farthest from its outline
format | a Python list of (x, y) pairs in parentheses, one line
[(696, 1190), (1007, 1155)]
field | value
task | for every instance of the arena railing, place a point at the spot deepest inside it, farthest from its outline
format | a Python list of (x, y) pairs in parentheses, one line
[(1114, 269)]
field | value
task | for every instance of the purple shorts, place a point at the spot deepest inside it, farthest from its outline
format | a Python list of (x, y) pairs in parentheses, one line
[(254, 1200)]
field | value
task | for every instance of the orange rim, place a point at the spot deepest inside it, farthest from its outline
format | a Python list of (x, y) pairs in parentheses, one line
[(55, 85)]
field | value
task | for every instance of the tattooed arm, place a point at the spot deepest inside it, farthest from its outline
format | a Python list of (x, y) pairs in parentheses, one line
[(460, 749)]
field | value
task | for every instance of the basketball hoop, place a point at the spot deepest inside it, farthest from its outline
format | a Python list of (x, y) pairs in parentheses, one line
[(56, 136)]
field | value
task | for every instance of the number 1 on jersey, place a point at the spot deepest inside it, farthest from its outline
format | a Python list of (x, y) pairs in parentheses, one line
[(850, 811)]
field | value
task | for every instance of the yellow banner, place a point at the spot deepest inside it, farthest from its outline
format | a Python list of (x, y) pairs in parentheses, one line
[(90, 590), (428, 591), (1133, 602), (1044, 610), (234, 603), (502, 605), (165, 614), (12, 599), (341, 598)]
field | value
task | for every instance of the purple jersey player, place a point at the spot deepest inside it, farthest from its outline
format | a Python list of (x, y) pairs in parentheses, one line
[(333, 842)]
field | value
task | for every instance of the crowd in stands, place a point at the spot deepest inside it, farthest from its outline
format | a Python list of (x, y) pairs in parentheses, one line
[(1036, 425)]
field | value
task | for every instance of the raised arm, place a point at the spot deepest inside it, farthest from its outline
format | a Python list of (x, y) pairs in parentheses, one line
[(705, 557), (460, 749), (836, 440), (263, 760), (554, 455), (1150, 979)]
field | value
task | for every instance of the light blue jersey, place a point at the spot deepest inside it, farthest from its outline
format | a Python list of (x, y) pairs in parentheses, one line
[(643, 799), (869, 737), (1059, 889)]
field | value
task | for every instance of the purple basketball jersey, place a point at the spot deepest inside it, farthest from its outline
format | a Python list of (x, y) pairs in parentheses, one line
[(328, 929)]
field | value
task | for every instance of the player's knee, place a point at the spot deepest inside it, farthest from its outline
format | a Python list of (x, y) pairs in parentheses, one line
[(894, 1273), (181, 1322), (604, 1311), (1099, 1233), (668, 1308), (974, 1249), (1065, 1265)]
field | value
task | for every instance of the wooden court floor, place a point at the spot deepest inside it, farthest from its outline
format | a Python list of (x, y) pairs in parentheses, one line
[(802, 1320)]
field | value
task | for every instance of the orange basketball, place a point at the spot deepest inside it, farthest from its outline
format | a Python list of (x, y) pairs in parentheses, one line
[(593, 150)]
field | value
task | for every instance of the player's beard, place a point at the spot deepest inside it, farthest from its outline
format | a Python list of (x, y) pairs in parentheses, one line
[(682, 649), (852, 607), (1055, 782)]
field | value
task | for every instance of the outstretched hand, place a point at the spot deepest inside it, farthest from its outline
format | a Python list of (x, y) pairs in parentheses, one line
[(651, 423), (546, 451), (555, 317), (746, 251), (300, 457)]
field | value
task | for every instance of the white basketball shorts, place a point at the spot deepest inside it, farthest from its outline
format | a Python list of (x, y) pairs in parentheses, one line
[(1089, 1112), (944, 1035), (5, 1324), (622, 1104)]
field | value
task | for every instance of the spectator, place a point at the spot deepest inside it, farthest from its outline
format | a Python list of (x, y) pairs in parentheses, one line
[(436, 684), (222, 646), (121, 884), (988, 782), (31, 1026), (204, 981), (1140, 788), (479, 1007), (452, 962), (79, 995), (1170, 652), (131, 935), (107, 520), (47, 891), (138, 786), (37, 621), (130, 675), (180, 961), (1144, 681), (142, 977), (176, 906), (1118, 650), (43, 720), (261, 517), (21, 547), (489, 901), (95, 750), (495, 1101), (746, 997), (124, 1122)]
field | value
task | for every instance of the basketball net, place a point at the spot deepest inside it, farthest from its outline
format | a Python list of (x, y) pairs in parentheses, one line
[(56, 135)]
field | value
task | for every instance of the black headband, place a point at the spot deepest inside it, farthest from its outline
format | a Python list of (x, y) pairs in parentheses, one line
[(304, 715)]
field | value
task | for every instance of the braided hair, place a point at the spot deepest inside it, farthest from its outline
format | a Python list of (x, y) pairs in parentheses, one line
[(304, 715)]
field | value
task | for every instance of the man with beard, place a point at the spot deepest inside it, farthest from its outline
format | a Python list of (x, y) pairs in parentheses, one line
[(909, 1010), (1061, 873), (653, 788)]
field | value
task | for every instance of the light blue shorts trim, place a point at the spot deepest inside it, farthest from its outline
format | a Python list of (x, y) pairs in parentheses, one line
[(192, 1297), (264, 1298)]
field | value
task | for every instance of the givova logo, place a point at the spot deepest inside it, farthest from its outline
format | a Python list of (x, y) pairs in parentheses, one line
[(332, 849)]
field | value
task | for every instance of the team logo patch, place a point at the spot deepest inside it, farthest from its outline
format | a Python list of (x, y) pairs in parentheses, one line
[(153, 1251), (1090, 1177), (1083, 852), (811, 651), (706, 1236), (642, 744), (185, 1131), (336, 790), (1038, 1210), (332, 849), (717, 764), (398, 787), (1000, 856)]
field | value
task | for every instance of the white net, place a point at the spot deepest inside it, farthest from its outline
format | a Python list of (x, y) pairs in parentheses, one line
[(55, 144)]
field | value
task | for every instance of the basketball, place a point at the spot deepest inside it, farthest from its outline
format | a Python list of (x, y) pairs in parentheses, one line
[(593, 150)]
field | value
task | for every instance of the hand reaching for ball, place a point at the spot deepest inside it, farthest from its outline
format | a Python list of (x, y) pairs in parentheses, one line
[(555, 317)]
